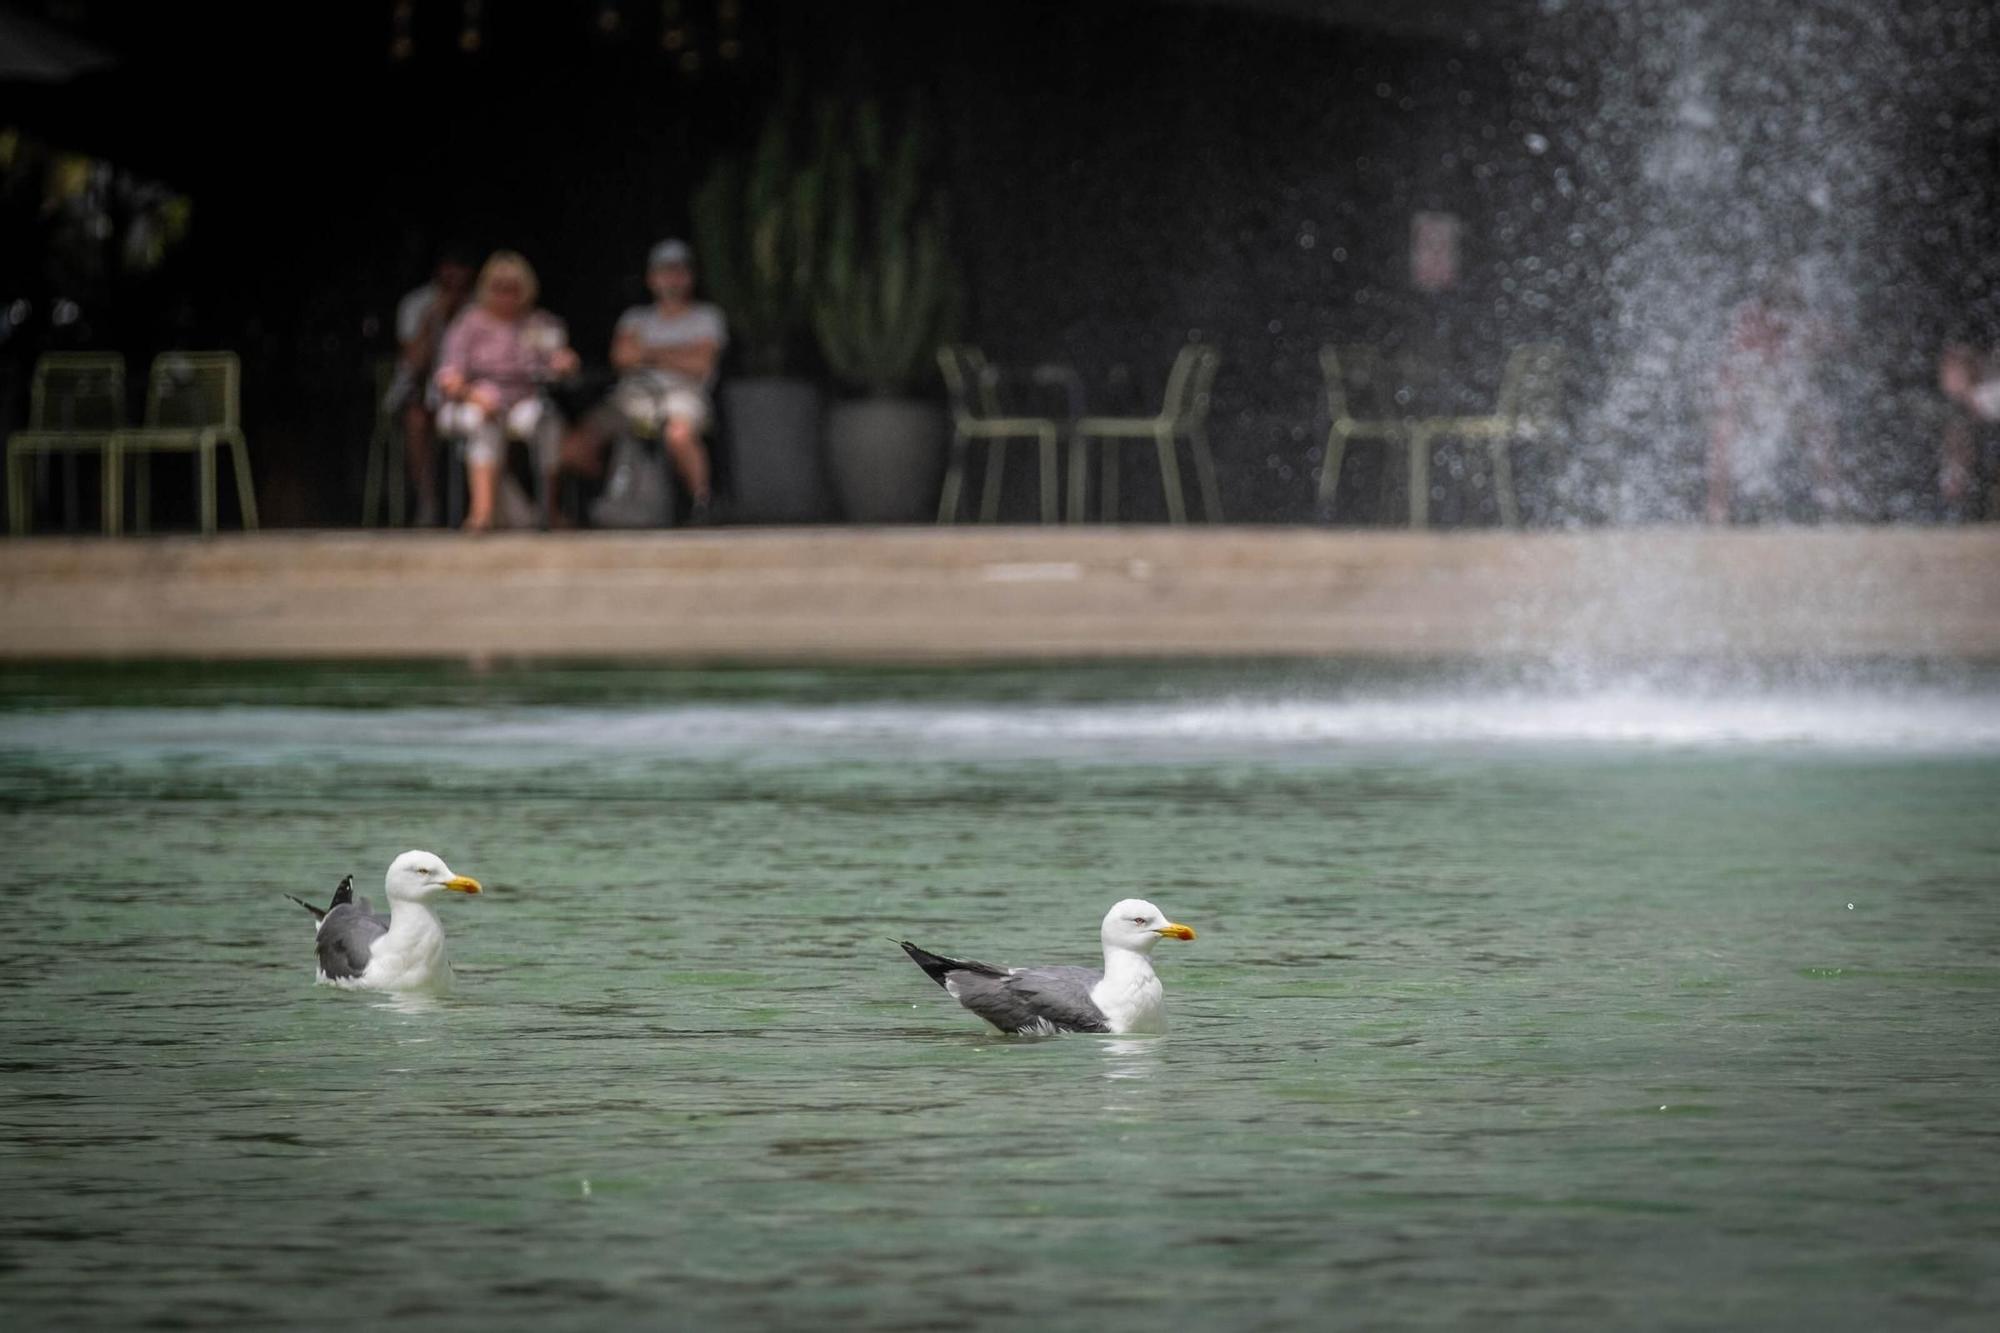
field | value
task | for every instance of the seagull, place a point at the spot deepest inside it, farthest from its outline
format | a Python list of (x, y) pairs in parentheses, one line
[(1041, 1001), (404, 950)]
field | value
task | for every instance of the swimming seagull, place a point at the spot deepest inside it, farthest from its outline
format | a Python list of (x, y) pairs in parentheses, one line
[(401, 951), (1040, 1001)]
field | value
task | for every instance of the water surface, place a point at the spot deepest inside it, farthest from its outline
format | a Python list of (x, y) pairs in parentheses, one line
[(1614, 1006)]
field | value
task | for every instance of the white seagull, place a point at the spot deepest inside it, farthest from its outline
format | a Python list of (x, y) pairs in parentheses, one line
[(1040, 1001), (401, 951)]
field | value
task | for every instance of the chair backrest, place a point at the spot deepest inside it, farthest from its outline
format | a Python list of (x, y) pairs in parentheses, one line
[(193, 390), (1206, 362), (384, 372), (1531, 385), (1353, 376), (1186, 398), (969, 381), (77, 391)]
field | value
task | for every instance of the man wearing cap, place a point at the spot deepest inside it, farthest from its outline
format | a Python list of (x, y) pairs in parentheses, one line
[(666, 354)]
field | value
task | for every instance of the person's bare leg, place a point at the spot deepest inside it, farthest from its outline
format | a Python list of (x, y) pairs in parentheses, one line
[(690, 459), (583, 447), (581, 453), (1826, 472), (1719, 440), (1955, 466), (482, 482), (420, 459)]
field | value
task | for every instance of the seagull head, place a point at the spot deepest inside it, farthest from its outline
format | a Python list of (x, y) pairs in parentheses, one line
[(415, 876), (1137, 925)]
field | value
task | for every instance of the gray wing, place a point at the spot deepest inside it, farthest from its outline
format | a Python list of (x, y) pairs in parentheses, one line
[(346, 936), (1036, 1000)]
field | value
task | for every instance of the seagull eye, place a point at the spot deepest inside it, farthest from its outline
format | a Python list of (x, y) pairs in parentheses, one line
[(1138, 920)]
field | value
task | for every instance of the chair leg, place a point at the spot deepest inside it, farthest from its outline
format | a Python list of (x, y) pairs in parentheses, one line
[(142, 492), (114, 490), (1503, 484), (371, 480), (1107, 504), (454, 485), (1170, 477), (398, 466), (996, 465), (207, 483), (17, 494), (1204, 471), (954, 480), (1051, 476), (1079, 461), (246, 490), (1420, 478)]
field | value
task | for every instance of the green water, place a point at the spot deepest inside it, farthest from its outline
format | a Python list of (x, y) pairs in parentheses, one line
[(1629, 1010)]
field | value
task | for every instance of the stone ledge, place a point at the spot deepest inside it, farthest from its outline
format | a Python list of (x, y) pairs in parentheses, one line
[(968, 594)]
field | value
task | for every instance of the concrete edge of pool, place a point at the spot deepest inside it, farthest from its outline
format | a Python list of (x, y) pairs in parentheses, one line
[(969, 594)]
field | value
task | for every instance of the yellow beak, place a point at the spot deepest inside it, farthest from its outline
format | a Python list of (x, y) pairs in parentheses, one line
[(462, 884), (1174, 931)]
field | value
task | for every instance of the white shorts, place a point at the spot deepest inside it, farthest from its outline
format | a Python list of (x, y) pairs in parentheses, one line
[(649, 400), (1986, 400), (485, 439)]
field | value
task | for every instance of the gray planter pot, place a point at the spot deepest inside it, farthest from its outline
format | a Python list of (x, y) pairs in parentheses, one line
[(775, 469), (887, 459)]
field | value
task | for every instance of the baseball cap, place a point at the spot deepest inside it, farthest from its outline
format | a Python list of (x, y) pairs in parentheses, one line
[(670, 252)]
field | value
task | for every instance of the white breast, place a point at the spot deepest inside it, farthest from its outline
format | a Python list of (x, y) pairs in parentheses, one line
[(1131, 1002), (413, 959)]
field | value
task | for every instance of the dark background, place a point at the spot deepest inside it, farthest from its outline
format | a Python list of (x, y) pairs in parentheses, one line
[(1121, 174)]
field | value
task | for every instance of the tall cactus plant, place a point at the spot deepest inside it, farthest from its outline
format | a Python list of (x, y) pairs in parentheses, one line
[(758, 224), (885, 297)]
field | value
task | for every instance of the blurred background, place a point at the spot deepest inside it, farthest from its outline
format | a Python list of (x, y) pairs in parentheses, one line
[(1440, 182), (1595, 894)]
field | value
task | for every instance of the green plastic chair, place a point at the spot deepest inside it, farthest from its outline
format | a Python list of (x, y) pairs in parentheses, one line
[(1353, 376), (1183, 412), (192, 406), (1530, 395), (976, 415), (76, 405)]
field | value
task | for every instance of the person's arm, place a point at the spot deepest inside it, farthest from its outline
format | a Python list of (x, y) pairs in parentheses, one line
[(452, 378), (565, 362), (450, 374), (421, 347), (1955, 372), (627, 352), (696, 360)]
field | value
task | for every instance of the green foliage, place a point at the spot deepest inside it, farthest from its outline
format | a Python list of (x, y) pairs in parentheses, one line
[(885, 297), (758, 219)]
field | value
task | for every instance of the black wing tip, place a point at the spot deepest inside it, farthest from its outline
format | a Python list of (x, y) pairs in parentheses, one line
[(934, 965), (318, 913), (345, 893)]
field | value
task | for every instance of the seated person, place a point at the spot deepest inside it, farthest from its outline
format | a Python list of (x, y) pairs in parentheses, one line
[(666, 354), (495, 359), (1769, 405), (421, 319), (1970, 378)]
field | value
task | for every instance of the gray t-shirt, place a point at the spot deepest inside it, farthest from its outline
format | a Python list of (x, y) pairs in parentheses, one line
[(700, 322)]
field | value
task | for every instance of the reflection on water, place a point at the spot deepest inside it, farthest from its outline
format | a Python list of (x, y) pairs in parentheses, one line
[(1415, 1072), (1130, 1057), (1128, 1063), (406, 1002)]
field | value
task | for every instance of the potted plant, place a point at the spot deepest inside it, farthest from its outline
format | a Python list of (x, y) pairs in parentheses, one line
[(884, 302), (757, 221)]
